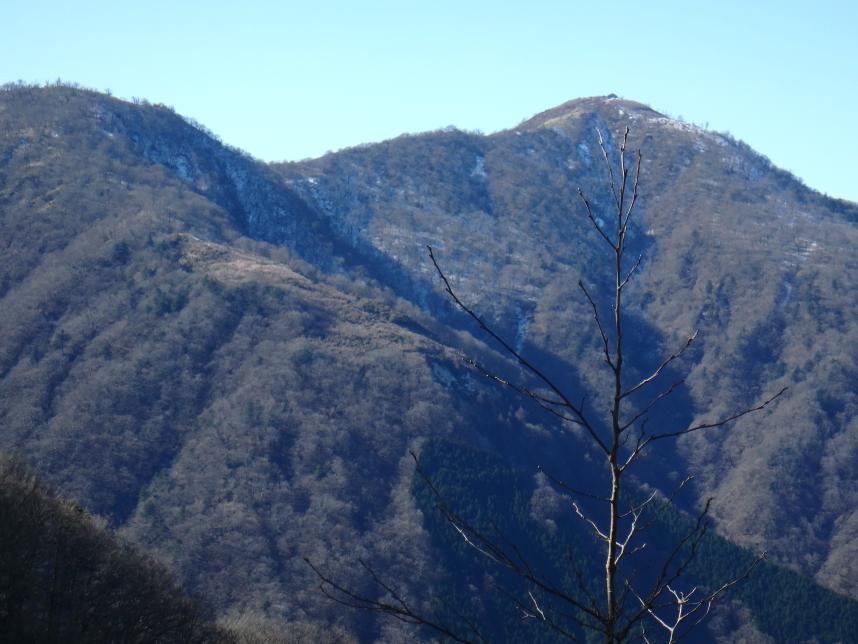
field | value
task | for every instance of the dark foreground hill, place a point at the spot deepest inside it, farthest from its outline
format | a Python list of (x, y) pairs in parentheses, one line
[(65, 579), (231, 361)]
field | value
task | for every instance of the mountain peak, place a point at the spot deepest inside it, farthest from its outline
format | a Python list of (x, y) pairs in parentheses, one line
[(609, 106)]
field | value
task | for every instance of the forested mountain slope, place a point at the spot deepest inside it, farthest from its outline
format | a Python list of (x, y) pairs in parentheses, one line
[(225, 403), (231, 360), (731, 245), (65, 578)]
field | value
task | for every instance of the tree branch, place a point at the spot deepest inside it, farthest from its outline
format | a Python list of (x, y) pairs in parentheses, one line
[(398, 609), (592, 523), (631, 272), (721, 422), (519, 358), (655, 374), (556, 481), (599, 325), (593, 220), (652, 403), (634, 192), (547, 404), (610, 166), (474, 538)]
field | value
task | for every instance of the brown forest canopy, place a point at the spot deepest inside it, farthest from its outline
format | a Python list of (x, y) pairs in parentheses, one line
[(231, 360)]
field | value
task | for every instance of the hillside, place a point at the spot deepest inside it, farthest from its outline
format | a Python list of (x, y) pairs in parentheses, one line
[(65, 578), (231, 361), (223, 401), (732, 246)]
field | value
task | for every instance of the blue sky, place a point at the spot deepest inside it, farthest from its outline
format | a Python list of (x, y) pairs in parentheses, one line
[(288, 80)]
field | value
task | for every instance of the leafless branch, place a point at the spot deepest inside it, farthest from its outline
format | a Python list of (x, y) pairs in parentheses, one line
[(593, 221), (667, 503), (599, 325), (652, 403), (632, 532), (590, 521), (578, 492), (636, 509), (663, 602), (610, 166), (631, 272), (532, 610), (669, 572), (722, 421), (634, 191), (518, 357), (474, 538), (545, 403), (396, 608), (536, 605), (655, 374), (686, 606), (515, 549), (712, 597), (642, 441)]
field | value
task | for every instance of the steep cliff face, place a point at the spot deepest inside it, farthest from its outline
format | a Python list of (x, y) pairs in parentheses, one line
[(233, 360)]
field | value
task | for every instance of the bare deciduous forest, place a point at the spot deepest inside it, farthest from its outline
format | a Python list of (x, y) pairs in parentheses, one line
[(229, 362)]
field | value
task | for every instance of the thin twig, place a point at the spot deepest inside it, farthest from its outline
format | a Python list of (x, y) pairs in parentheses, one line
[(655, 374), (519, 358), (598, 325), (721, 422)]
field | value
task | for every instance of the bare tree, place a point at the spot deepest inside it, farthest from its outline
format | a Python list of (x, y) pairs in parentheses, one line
[(627, 607)]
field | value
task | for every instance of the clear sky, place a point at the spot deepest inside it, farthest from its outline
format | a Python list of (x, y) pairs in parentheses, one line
[(288, 80)]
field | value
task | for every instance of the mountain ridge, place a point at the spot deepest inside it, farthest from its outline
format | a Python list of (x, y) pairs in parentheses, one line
[(185, 359), (763, 208)]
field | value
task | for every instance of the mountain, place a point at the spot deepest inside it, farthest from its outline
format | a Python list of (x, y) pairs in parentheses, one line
[(732, 246), (231, 360)]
